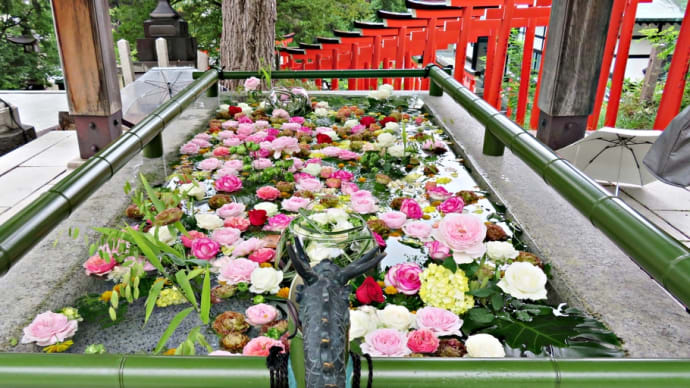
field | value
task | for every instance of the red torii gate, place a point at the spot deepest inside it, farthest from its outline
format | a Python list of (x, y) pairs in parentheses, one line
[(362, 48), (386, 45)]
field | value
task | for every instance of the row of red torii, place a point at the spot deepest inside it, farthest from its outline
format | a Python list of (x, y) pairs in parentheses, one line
[(429, 26)]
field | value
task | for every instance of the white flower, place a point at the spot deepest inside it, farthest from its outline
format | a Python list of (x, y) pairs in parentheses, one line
[(501, 250), (322, 104), (193, 189), (312, 169), (342, 225), (321, 112), (164, 234), (396, 317), (336, 215), (396, 151), (387, 87), (383, 92), (362, 322), (262, 105), (392, 125), (271, 208), (385, 140), (331, 134), (351, 123), (208, 221), (223, 108), (484, 345), (524, 281), (246, 109), (319, 218), (265, 280), (318, 252)]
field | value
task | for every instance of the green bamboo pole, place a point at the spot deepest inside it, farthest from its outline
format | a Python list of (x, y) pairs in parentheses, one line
[(130, 371), (21, 232), (313, 74), (666, 259)]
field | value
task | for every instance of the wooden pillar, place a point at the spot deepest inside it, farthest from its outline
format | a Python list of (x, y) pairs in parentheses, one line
[(85, 40), (572, 62)]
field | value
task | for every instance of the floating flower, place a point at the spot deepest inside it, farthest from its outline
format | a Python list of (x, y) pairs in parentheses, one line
[(440, 321), (464, 234), (226, 236), (393, 219), (386, 343), (369, 291), (228, 184), (501, 250), (411, 208), (237, 271), (524, 280), (404, 277), (49, 328), (444, 289), (252, 83), (396, 317), (208, 221), (96, 265), (240, 223), (261, 314), (266, 280), (293, 204), (278, 223), (363, 321), (422, 341), (484, 345), (261, 346), (233, 209), (451, 205), (417, 229), (205, 248), (246, 247), (437, 250), (262, 255)]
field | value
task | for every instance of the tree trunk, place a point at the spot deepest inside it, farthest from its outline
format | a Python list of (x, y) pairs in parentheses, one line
[(248, 39), (651, 77)]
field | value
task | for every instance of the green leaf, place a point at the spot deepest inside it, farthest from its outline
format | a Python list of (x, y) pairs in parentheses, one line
[(144, 245), (497, 301), (151, 299), (450, 264), (195, 272), (481, 315), (483, 292), (206, 298), (127, 188), (152, 194), (174, 323), (183, 282)]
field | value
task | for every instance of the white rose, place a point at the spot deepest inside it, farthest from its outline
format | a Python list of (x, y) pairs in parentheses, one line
[(262, 105), (246, 109), (361, 323), (396, 151), (208, 221), (501, 250), (318, 252), (336, 215), (312, 169), (164, 234), (265, 280), (524, 281), (393, 126), (351, 123), (271, 208), (385, 139), (396, 317), (387, 87), (331, 134), (193, 189), (223, 108), (322, 104), (484, 345), (321, 112)]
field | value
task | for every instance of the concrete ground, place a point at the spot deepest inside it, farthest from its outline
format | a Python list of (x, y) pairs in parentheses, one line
[(37, 108)]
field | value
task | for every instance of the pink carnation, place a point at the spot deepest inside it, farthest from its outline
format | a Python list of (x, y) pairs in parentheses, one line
[(226, 134), (261, 314), (221, 151), (309, 184), (268, 193), (189, 149), (343, 175), (262, 163), (280, 114), (232, 141), (96, 265), (286, 144), (193, 234), (348, 155), (229, 124), (237, 271), (440, 321), (240, 223), (234, 164), (348, 188), (201, 143), (326, 172), (49, 328), (297, 119), (261, 124)]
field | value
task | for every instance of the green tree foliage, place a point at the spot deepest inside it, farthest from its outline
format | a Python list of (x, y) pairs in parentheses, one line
[(20, 69), (311, 18), (128, 16)]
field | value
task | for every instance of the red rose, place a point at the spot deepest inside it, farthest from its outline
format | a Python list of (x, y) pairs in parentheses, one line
[(388, 119), (369, 292), (258, 217), (322, 138), (233, 110), (367, 121)]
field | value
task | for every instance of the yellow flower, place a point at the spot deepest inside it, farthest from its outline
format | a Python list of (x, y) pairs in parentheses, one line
[(429, 209), (105, 296), (170, 296), (444, 289), (283, 293), (443, 180), (265, 265), (170, 352), (390, 290), (58, 347)]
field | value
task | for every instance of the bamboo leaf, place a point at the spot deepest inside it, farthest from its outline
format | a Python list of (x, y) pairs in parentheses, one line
[(174, 323), (151, 299), (206, 298), (160, 206), (143, 243), (183, 282), (194, 273)]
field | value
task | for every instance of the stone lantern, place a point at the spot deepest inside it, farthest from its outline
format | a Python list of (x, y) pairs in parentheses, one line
[(166, 23)]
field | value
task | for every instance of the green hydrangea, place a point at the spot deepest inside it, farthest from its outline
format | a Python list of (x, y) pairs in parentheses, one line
[(444, 289)]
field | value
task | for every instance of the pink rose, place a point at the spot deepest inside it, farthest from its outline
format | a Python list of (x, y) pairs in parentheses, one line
[(393, 219), (278, 223), (225, 171), (411, 208), (193, 234), (441, 321), (280, 114), (205, 248), (326, 172), (331, 151), (261, 314), (464, 234), (245, 120), (244, 130), (262, 255), (438, 193), (248, 246), (96, 265), (286, 144), (229, 124), (297, 119), (268, 193), (228, 184), (343, 175), (221, 151), (385, 343), (240, 223), (261, 124), (203, 136), (358, 128), (189, 149), (252, 83), (422, 341), (417, 229), (232, 209), (261, 346), (209, 164), (262, 163), (359, 194), (451, 205), (363, 205), (293, 204), (237, 271), (404, 277), (226, 236), (348, 155), (379, 240), (232, 141), (225, 134), (333, 183), (309, 184), (291, 126), (201, 143), (49, 328), (437, 250), (234, 164), (348, 188)]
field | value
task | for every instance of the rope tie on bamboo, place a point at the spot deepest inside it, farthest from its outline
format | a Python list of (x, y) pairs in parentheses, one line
[(357, 370), (277, 364)]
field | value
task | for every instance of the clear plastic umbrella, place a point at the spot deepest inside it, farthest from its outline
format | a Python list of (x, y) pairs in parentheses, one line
[(613, 155), (153, 88)]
